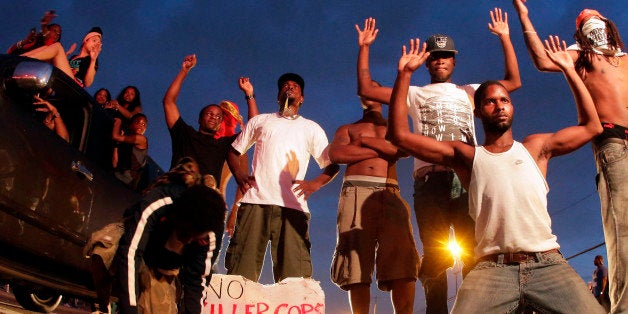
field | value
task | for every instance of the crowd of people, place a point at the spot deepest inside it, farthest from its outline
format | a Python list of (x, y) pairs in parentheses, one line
[(516, 264)]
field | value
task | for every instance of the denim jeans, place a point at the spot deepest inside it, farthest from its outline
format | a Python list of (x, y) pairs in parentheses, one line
[(611, 156), (547, 285), (439, 202)]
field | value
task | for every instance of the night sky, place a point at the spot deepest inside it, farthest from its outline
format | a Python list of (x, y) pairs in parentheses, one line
[(144, 43)]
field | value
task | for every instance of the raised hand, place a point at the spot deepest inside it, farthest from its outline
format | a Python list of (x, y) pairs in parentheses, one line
[(414, 58), (520, 6), (48, 16), (556, 50), (95, 51), (245, 85), (70, 50), (188, 62), (43, 105), (499, 23), (368, 35)]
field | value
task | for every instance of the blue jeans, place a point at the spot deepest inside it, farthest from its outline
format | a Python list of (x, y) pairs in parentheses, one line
[(439, 202), (611, 157), (547, 284)]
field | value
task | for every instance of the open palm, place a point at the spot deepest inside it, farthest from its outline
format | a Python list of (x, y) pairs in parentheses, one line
[(412, 59)]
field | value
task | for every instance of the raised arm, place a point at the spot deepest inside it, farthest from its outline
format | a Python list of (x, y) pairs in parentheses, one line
[(171, 110), (499, 27), (365, 89), (571, 138), (53, 119), (399, 133), (533, 43), (245, 85), (91, 70)]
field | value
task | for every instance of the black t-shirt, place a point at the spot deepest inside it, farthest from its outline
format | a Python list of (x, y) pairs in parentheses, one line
[(80, 67), (209, 153)]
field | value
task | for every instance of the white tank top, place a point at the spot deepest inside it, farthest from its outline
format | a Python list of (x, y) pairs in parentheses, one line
[(508, 201)]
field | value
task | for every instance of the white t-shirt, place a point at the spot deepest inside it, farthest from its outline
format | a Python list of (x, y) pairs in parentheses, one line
[(443, 111), (508, 201), (282, 152)]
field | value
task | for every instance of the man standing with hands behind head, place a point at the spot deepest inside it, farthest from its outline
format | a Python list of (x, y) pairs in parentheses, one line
[(603, 66), (274, 206), (444, 111)]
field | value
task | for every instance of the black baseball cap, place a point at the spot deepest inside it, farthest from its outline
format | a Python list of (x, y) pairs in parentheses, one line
[(290, 77), (439, 42)]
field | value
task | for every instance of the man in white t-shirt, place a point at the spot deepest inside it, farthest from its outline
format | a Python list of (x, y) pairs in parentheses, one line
[(274, 206), (444, 111), (519, 265)]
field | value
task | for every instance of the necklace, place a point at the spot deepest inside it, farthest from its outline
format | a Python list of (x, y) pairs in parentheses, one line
[(291, 117), (288, 114)]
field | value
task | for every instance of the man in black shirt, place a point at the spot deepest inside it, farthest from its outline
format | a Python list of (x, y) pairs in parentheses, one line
[(210, 153)]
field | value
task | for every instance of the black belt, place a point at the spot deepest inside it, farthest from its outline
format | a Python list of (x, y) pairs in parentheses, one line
[(611, 131), (514, 258)]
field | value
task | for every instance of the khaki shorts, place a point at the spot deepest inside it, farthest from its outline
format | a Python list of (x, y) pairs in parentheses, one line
[(373, 229)]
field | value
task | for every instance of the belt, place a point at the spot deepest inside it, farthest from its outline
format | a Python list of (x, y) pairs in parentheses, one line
[(423, 171), (514, 258)]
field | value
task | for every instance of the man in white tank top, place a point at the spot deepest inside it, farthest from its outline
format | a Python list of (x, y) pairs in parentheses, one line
[(519, 266)]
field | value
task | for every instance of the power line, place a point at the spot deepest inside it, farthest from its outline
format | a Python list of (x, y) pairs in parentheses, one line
[(571, 205), (585, 251)]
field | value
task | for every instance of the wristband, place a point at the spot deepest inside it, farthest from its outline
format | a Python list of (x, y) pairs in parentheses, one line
[(249, 97)]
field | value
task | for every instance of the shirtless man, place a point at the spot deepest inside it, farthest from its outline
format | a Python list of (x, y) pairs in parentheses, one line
[(603, 66), (373, 220)]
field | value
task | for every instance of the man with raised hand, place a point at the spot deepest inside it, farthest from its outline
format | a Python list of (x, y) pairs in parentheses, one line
[(444, 111), (518, 265), (601, 62)]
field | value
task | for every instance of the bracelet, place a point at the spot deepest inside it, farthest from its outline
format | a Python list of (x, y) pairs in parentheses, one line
[(249, 97), (529, 32), (56, 115)]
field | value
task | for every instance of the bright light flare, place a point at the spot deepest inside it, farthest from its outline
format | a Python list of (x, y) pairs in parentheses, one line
[(455, 249)]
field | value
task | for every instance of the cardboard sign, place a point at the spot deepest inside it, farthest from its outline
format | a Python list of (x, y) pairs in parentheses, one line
[(229, 294)]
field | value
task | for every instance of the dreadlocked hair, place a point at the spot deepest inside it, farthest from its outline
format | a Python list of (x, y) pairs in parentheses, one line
[(585, 57)]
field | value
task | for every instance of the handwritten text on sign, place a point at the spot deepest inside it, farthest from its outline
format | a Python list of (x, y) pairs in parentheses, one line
[(228, 294)]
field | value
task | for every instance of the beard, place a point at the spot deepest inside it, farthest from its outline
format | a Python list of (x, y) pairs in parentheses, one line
[(496, 127)]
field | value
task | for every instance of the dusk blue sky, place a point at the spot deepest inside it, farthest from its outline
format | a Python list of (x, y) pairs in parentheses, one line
[(144, 43)]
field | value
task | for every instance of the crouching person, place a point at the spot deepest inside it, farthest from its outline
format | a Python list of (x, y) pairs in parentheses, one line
[(171, 241)]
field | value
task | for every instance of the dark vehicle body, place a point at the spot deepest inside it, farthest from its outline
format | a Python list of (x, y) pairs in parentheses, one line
[(53, 194)]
